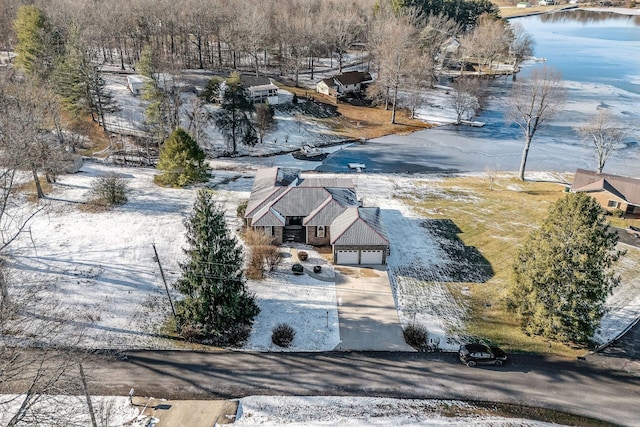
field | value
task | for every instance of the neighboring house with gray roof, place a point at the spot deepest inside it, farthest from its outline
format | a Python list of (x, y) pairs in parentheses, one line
[(261, 89), (344, 84), (317, 211), (611, 191)]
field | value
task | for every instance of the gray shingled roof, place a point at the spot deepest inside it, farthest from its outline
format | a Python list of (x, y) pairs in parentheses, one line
[(345, 196), (268, 185), (299, 201), (325, 213), (359, 226), (326, 182), (329, 82), (275, 196), (251, 81), (267, 217), (287, 176), (353, 77), (624, 187)]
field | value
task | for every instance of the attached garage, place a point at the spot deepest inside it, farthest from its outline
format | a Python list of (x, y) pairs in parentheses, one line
[(371, 257), (347, 257), (358, 237)]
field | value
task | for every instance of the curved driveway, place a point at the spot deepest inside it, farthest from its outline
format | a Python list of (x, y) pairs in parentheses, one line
[(573, 386)]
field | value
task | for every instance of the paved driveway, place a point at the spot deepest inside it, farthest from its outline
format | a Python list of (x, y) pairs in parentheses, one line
[(626, 237), (367, 310)]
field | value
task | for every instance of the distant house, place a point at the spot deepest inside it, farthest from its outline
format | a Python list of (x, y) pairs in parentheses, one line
[(135, 83), (261, 89), (611, 191), (344, 84), (317, 211)]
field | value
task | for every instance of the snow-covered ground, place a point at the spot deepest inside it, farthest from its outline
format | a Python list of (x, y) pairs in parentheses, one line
[(271, 411), (307, 304), (100, 266), (280, 411), (290, 131), (54, 411)]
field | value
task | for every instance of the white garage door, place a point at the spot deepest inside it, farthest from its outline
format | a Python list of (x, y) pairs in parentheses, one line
[(371, 257), (347, 257)]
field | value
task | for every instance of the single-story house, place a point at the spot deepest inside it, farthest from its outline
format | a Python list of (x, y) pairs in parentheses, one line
[(344, 84), (261, 89), (317, 211), (611, 191)]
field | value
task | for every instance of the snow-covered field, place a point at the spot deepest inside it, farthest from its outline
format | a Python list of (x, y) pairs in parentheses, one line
[(101, 268), (274, 411), (290, 130)]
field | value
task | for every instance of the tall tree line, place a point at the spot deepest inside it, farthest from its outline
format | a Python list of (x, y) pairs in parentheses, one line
[(206, 34), (283, 36)]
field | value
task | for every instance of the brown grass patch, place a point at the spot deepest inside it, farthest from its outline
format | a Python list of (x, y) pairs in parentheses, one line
[(29, 188), (363, 122), (509, 10), (496, 222)]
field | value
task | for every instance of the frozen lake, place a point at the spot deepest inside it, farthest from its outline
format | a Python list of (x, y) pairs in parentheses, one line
[(598, 54)]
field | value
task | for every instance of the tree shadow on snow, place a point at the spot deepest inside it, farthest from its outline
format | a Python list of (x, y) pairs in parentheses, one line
[(466, 263)]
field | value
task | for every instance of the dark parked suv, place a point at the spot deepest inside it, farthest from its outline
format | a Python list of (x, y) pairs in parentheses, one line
[(480, 354)]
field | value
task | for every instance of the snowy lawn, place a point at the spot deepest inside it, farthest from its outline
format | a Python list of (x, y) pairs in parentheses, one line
[(304, 303), (421, 298), (274, 411), (291, 129), (100, 266), (72, 411)]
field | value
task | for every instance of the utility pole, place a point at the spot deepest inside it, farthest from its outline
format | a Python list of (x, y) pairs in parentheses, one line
[(164, 280), (88, 396)]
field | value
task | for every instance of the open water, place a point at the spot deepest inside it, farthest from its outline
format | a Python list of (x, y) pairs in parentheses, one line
[(598, 54)]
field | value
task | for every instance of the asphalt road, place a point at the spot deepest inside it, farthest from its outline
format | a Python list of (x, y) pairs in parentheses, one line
[(579, 387)]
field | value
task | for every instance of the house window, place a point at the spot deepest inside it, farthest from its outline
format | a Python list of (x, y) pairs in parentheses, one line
[(613, 204), (320, 231), (268, 230)]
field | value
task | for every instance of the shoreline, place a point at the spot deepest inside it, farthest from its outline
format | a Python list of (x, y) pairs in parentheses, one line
[(524, 13)]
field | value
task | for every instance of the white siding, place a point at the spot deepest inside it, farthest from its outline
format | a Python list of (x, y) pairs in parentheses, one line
[(348, 257), (371, 257)]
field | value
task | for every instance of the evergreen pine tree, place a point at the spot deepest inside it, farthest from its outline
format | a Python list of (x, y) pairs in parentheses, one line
[(181, 161), (80, 84), (39, 43), (234, 118), (31, 28), (563, 273), (154, 112), (216, 306)]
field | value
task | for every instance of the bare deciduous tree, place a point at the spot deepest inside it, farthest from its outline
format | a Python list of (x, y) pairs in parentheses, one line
[(606, 133), (36, 360), (533, 102), (29, 118), (466, 95), (488, 42), (521, 46), (346, 26), (392, 43), (438, 32)]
